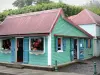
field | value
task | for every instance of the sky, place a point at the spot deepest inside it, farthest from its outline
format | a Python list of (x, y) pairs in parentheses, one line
[(7, 4)]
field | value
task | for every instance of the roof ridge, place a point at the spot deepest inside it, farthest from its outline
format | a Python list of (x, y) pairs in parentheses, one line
[(87, 11), (33, 13)]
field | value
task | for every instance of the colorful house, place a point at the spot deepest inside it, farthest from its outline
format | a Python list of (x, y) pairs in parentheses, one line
[(41, 38), (90, 22)]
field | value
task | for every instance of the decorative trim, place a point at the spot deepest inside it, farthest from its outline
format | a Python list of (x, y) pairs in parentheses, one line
[(49, 50)]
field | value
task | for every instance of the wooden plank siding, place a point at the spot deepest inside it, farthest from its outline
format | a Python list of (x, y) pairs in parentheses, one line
[(64, 28)]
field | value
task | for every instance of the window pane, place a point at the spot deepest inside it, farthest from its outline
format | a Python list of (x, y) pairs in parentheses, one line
[(37, 44), (59, 43)]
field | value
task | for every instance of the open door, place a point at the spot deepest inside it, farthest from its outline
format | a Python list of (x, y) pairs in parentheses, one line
[(75, 48), (19, 49), (73, 51)]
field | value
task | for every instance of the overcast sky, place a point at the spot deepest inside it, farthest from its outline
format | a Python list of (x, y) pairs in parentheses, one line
[(7, 4)]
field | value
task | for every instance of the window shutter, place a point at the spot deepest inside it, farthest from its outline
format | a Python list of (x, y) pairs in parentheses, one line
[(86, 43), (26, 50), (64, 44), (13, 50), (56, 44)]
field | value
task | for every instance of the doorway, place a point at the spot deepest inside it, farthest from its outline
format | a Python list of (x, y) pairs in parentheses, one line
[(75, 49), (19, 49)]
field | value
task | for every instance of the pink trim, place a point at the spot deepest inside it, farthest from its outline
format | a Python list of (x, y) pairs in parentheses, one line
[(55, 21)]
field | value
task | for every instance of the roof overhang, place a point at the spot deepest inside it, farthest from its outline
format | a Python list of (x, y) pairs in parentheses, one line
[(25, 35)]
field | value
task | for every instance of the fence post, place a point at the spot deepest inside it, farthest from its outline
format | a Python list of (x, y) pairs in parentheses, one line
[(56, 67), (95, 70)]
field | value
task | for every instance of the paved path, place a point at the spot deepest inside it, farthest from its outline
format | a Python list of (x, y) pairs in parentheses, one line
[(13, 71), (74, 69), (83, 68)]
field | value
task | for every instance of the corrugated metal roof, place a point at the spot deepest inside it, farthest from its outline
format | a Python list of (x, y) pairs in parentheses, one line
[(36, 22), (85, 17)]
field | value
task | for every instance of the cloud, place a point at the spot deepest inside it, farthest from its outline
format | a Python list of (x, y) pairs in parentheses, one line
[(6, 4)]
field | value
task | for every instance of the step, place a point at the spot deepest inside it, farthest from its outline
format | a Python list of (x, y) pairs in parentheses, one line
[(15, 65)]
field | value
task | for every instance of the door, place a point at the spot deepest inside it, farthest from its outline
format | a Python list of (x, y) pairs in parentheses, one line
[(75, 48), (19, 49), (81, 49), (72, 49)]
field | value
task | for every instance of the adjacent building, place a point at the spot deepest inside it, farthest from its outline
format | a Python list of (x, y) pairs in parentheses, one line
[(90, 22)]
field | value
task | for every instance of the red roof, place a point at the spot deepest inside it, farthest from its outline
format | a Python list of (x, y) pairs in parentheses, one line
[(36, 22), (33, 23), (71, 17), (85, 17)]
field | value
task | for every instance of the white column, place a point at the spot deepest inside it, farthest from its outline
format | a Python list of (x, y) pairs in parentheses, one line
[(49, 50)]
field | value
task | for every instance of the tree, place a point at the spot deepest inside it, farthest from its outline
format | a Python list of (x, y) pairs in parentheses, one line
[(68, 9), (22, 3), (19, 3)]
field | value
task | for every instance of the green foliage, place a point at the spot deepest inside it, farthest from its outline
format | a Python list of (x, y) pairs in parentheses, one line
[(68, 9)]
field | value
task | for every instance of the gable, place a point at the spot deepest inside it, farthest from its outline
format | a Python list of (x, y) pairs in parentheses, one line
[(63, 27)]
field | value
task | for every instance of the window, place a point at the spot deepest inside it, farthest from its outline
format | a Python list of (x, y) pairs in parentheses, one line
[(5, 45), (59, 44), (37, 44), (88, 43)]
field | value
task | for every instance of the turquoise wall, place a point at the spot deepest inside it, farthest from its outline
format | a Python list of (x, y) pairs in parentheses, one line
[(32, 59), (61, 57), (62, 27), (41, 59), (5, 57)]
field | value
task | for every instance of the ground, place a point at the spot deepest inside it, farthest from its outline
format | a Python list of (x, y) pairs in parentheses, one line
[(73, 69)]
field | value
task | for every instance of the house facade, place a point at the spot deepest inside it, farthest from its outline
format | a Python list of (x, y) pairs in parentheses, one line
[(90, 22), (41, 38)]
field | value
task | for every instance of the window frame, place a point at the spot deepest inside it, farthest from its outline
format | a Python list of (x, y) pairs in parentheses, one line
[(33, 52), (61, 44)]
